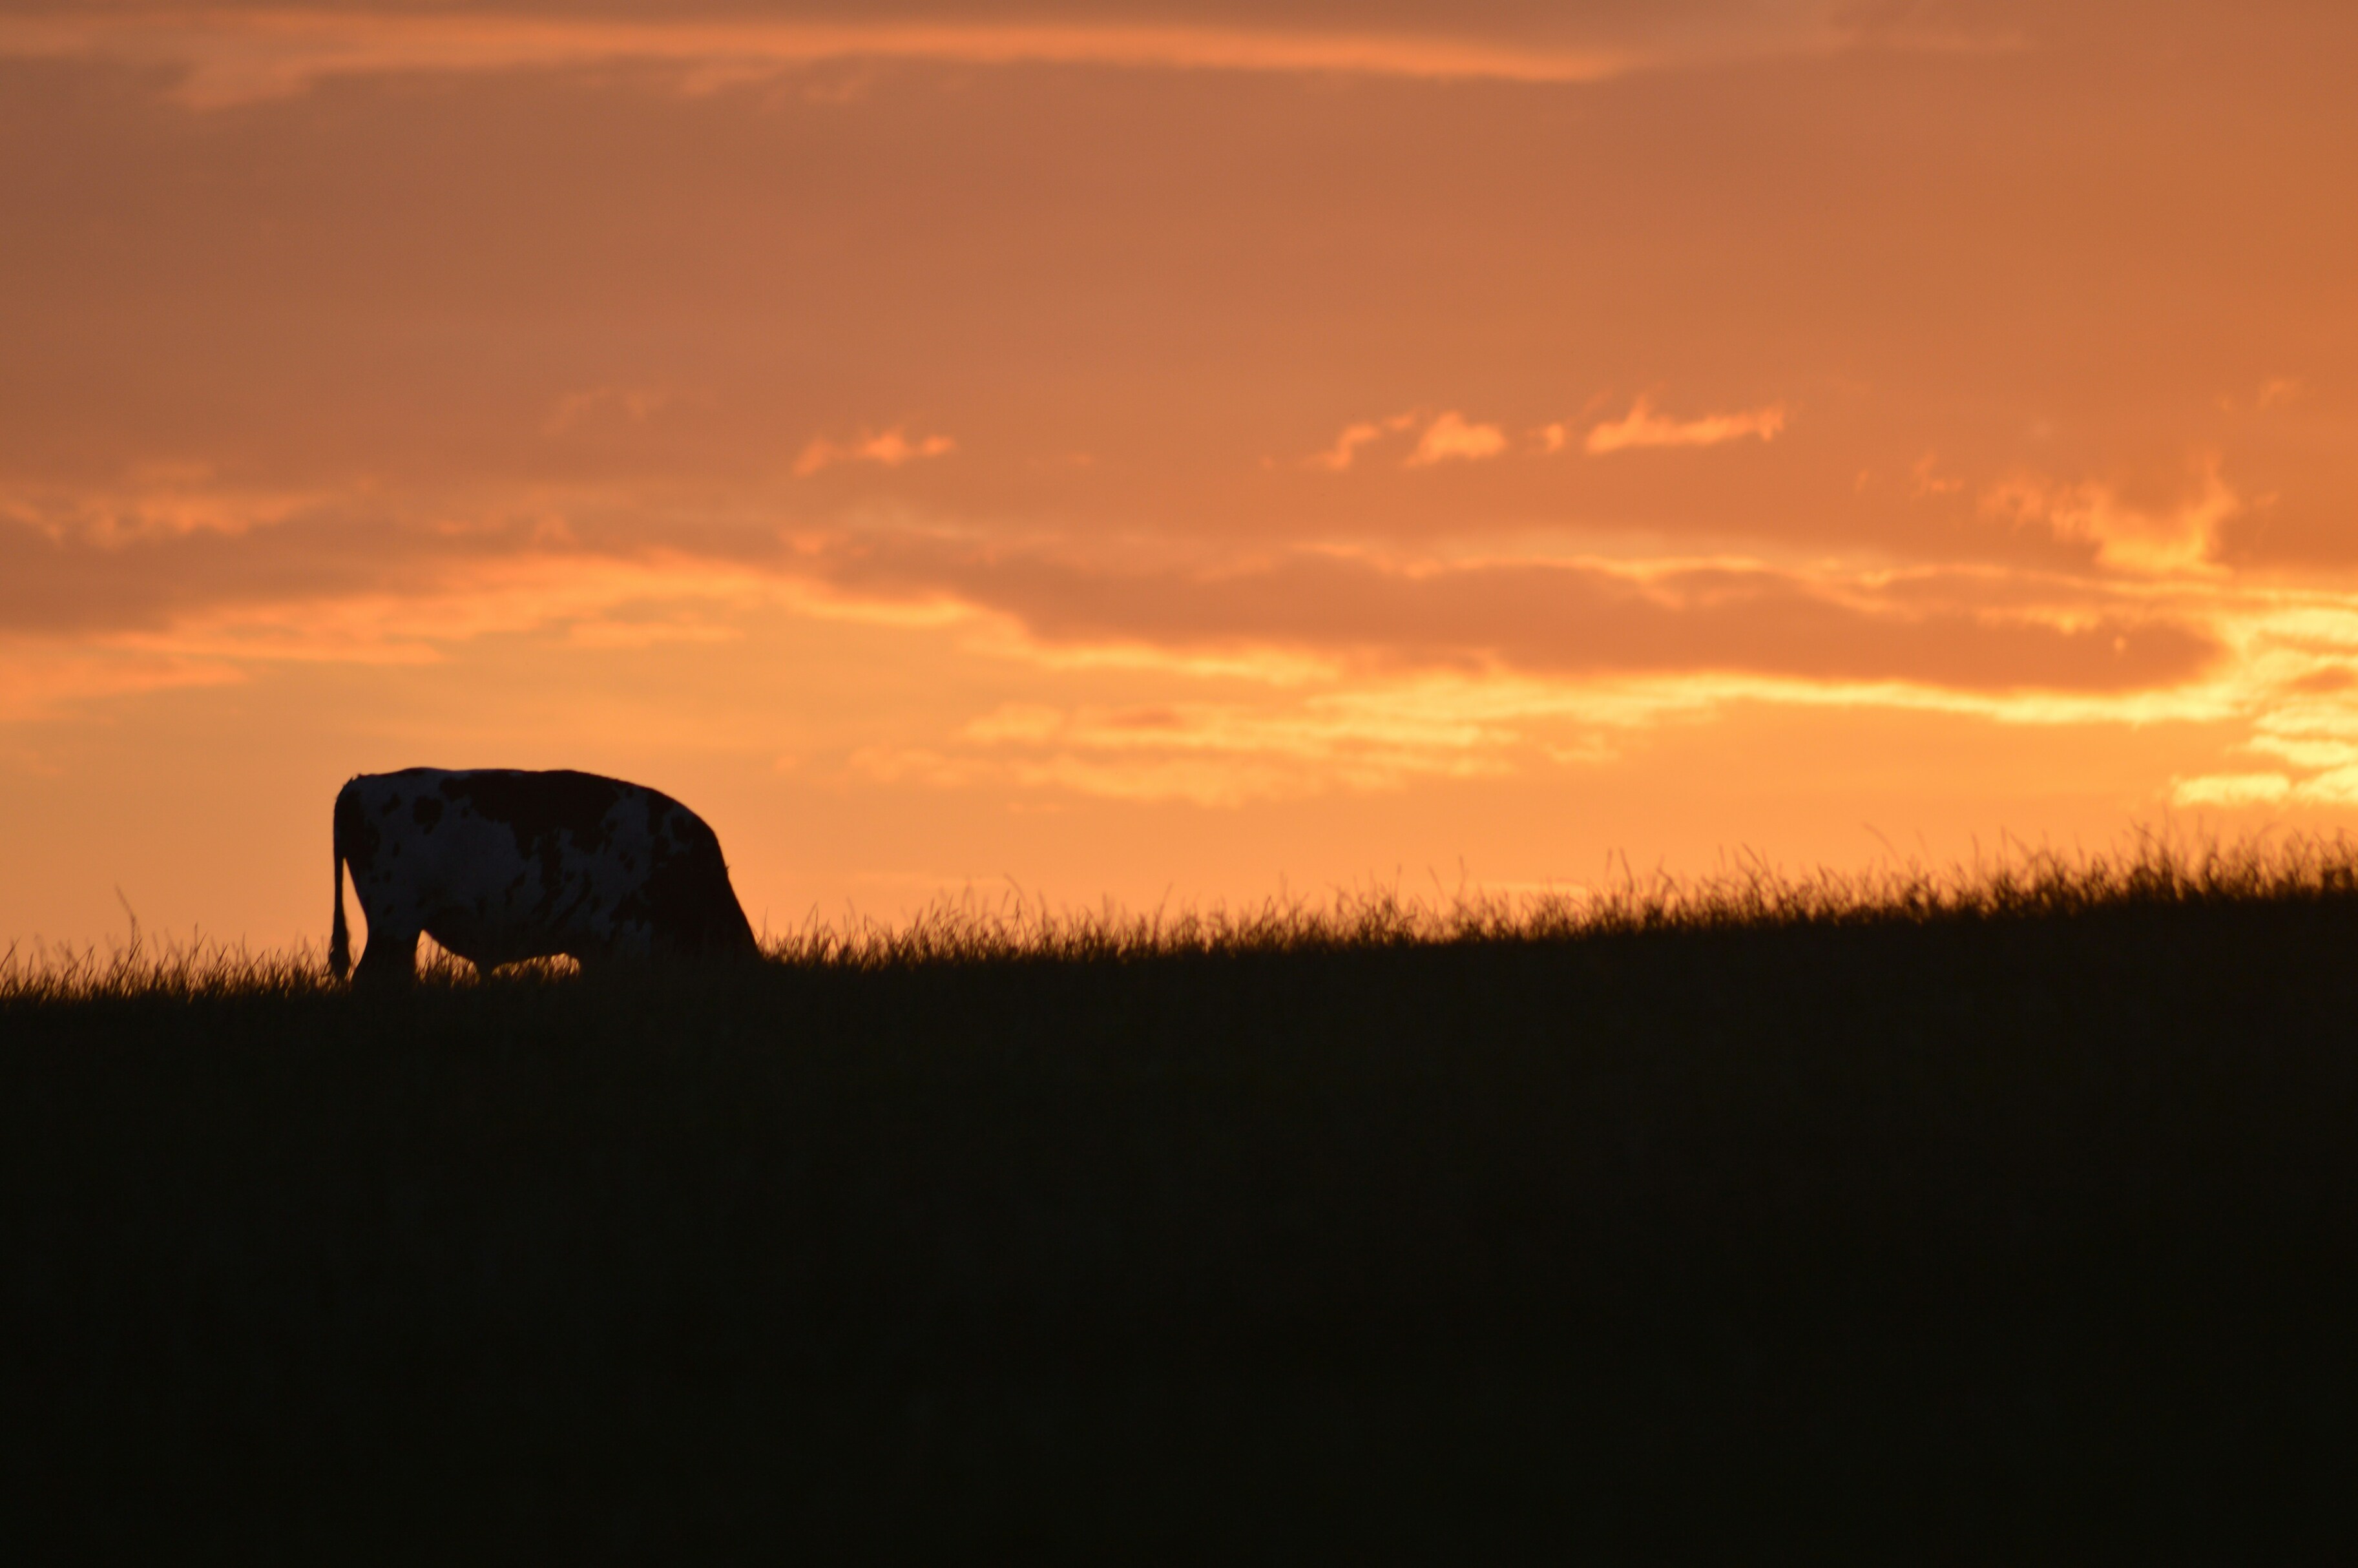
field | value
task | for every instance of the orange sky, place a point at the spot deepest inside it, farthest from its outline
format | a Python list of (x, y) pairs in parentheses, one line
[(1129, 448)]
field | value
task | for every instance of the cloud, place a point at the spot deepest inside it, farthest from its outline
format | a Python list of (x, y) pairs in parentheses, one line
[(1226, 753), (380, 577), (1554, 618), (890, 449), (1346, 450), (1449, 436), (156, 501), (363, 576), (1381, 669), (238, 56), (1384, 733), (1644, 427), (2178, 540), (2231, 789), (234, 55), (2337, 788), (2297, 690)]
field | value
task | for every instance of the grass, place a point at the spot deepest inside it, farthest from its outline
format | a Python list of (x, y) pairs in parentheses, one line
[(2005, 1210)]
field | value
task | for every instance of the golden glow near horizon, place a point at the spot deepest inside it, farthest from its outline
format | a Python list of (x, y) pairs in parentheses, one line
[(1175, 451)]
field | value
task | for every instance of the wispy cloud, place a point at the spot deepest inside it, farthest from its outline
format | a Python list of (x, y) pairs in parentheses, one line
[(238, 56), (2299, 652), (1450, 437), (1642, 427), (1348, 442), (2231, 789), (1447, 437), (235, 55), (1225, 753), (2179, 539), (156, 500), (890, 449)]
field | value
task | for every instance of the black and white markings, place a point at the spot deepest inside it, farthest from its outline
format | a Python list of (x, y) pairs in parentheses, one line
[(498, 865)]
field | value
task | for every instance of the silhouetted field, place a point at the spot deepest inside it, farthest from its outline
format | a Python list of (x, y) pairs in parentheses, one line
[(2005, 1216)]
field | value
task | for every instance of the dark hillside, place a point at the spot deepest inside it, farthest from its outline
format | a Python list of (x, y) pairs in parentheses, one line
[(1959, 1232)]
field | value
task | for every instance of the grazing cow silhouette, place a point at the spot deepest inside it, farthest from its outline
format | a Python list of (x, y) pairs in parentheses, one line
[(498, 864)]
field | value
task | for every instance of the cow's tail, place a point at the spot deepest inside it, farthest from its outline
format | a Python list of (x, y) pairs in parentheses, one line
[(340, 936)]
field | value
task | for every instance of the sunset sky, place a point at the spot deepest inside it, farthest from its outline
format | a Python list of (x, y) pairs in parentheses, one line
[(1186, 450)]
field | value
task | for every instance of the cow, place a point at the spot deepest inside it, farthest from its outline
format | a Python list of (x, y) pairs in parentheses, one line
[(498, 864)]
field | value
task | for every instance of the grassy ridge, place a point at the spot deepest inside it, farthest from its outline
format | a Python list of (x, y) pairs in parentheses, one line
[(1985, 1212)]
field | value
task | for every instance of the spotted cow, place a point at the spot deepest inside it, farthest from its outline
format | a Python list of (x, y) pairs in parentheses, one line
[(497, 864)]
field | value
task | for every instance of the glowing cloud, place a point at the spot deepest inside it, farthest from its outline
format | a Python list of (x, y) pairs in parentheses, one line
[(161, 501), (1644, 427), (1226, 753), (1449, 436), (236, 57), (890, 449), (1346, 450), (2153, 543), (2231, 789)]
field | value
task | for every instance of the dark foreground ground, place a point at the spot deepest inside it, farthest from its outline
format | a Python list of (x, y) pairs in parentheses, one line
[(1958, 1241)]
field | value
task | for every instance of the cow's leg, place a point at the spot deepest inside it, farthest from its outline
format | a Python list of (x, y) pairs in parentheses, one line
[(390, 960)]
